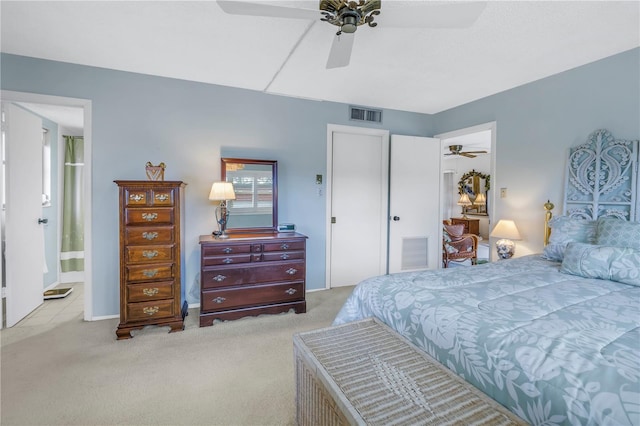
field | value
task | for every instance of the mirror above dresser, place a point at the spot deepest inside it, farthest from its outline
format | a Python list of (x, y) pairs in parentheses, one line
[(255, 183)]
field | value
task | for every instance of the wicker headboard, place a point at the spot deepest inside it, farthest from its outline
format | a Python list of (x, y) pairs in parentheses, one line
[(602, 178)]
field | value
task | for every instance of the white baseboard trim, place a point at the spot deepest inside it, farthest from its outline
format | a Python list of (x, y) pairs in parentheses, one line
[(103, 317), (193, 305), (72, 277)]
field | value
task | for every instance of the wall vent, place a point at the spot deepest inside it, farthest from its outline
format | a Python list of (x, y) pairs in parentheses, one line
[(365, 114), (415, 253)]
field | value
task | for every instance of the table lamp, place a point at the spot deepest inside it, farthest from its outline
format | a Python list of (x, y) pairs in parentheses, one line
[(223, 192), (507, 231), (464, 201)]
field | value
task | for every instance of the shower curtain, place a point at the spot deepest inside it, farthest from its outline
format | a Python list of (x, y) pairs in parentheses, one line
[(72, 253)]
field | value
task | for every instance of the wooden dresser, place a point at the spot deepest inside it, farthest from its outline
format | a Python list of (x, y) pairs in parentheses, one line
[(150, 255), (471, 226), (251, 274)]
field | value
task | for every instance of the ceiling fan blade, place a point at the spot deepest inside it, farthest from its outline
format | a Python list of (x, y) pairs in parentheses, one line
[(340, 53), (466, 154), (412, 14), (474, 152), (234, 7)]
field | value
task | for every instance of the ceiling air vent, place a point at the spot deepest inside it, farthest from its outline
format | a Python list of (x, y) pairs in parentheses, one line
[(363, 114)]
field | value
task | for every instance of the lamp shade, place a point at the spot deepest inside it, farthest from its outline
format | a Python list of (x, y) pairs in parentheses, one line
[(222, 191), (506, 229), (480, 199), (464, 200)]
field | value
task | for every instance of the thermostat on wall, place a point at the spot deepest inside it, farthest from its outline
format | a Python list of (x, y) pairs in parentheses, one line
[(286, 227)]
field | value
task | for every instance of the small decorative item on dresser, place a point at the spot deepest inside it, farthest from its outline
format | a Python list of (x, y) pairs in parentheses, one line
[(506, 230), (155, 172)]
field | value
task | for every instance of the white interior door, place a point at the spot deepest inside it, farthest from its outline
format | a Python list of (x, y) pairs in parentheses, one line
[(24, 240), (358, 207), (414, 228)]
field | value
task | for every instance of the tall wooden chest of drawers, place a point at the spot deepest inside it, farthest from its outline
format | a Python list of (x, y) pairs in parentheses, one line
[(150, 255), (251, 274)]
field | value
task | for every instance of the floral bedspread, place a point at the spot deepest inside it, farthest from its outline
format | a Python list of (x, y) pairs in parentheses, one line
[(551, 347)]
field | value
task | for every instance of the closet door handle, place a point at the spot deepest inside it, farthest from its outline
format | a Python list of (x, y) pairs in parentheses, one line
[(43, 220)]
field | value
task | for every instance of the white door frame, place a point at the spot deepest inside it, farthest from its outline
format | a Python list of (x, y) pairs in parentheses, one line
[(492, 126), (336, 128), (85, 104)]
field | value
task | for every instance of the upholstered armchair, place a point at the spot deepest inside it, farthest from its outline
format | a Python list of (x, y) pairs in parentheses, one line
[(458, 246)]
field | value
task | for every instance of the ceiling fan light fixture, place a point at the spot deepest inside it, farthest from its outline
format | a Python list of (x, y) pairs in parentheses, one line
[(350, 24), (349, 15)]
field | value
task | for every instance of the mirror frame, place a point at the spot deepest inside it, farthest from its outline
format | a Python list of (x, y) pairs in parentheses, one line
[(274, 178), (487, 186)]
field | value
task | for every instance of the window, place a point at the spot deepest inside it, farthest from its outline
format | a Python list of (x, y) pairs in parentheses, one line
[(254, 194), (46, 169)]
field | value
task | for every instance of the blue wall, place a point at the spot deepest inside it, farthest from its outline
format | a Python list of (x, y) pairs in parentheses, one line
[(536, 125), (187, 125)]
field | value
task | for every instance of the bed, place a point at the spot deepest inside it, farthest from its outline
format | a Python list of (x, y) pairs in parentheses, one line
[(554, 337)]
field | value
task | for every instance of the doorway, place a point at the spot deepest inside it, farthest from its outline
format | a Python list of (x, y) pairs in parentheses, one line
[(62, 106), (473, 139)]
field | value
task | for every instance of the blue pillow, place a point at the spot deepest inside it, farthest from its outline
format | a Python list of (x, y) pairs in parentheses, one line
[(565, 230), (618, 233), (621, 264)]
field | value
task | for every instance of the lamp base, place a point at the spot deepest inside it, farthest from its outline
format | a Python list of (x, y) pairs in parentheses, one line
[(505, 248)]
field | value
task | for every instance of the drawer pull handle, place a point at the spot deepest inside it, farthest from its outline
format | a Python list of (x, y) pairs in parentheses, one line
[(150, 273), (291, 271), (149, 216), (162, 197), (136, 197), (219, 299), (227, 250), (284, 256), (150, 310), (150, 291), (284, 246), (149, 235), (291, 291), (227, 260), (149, 254), (219, 278)]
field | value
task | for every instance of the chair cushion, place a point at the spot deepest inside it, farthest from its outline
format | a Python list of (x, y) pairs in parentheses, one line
[(455, 231)]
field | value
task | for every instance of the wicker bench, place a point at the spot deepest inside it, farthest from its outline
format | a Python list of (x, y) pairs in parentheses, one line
[(365, 373)]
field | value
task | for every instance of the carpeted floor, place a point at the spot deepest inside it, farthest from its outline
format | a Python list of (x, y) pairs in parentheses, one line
[(233, 373)]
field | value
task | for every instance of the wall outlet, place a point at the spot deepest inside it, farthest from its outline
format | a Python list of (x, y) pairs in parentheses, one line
[(503, 192)]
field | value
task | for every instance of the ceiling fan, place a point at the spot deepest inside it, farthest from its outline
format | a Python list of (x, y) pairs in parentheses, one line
[(457, 150), (348, 15)]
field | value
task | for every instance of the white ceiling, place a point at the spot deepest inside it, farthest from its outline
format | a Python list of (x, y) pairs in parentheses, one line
[(421, 70)]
